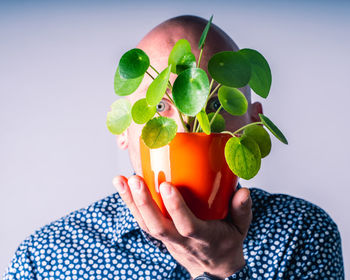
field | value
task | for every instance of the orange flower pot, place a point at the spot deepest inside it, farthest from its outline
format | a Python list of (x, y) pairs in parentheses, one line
[(195, 164)]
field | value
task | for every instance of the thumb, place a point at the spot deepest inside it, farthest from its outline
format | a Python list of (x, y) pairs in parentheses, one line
[(241, 210)]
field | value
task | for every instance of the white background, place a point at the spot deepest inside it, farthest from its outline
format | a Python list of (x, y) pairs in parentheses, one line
[(57, 63)]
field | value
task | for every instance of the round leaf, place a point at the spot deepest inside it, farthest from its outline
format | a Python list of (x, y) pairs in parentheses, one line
[(204, 33), (260, 80), (158, 132), (204, 121), (181, 48), (230, 69), (133, 64), (233, 100), (157, 88), (123, 86), (187, 61), (243, 156), (273, 128), (190, 91), (218, 124), (261, 137), (119, 118), (142, 112)]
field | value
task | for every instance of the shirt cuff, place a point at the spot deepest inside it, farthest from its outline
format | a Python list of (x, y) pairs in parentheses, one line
[(242, 274)]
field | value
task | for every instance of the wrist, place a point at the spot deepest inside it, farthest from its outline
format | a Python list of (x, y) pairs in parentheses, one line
[(224, 269)]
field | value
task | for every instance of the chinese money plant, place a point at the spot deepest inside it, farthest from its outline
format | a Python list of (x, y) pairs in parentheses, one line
[(190, 93)]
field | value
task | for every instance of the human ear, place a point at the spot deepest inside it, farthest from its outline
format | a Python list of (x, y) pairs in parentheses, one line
[(122, 140), (256, 109)]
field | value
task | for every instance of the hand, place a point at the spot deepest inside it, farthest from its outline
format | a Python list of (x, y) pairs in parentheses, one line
[(200, 246)]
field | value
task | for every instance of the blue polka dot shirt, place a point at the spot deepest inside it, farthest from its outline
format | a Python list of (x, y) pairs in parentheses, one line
[(289, 238)]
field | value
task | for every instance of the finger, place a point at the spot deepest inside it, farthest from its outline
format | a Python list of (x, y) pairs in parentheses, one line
[(241, 210), (120, 183), (186, 223), (159, 227)]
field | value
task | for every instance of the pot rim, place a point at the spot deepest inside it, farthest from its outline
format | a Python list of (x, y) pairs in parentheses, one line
[(203, 133)]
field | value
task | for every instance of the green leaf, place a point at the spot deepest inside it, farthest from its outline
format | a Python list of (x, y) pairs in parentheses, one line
[(158, 132), (190, 91), (260, 80), (157, 88), (218, 124), (187, 61), (243, 156), (204, 121), (233, 100), (230, 69), (204, 33), (141, 112), (133, 64), (119, 118), (181, 48), (273, 128), (123, 86), (261, 137)]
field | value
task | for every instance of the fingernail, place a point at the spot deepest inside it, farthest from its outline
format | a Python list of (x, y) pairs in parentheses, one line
[(135, 184), (165, 190), (120, 185)]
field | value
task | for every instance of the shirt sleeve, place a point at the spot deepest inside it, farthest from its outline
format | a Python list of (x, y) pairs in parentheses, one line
[(315, 251), (21, 266), (319, 251), (242, 274)]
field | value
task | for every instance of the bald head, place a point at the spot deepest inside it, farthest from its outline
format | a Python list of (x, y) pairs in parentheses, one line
[(161, 39)]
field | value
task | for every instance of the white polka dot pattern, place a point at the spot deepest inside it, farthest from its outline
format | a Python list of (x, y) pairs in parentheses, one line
[(289, 238)]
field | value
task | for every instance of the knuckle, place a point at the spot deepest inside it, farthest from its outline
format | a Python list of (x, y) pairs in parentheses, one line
[(189, 231), (127, 199), (175, 206), (159, 233), (143, 227), (141, 202)]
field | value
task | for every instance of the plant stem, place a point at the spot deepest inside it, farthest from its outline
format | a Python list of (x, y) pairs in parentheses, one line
[(205, 106), (229, 132), (183, 122), (198, 127), (217, 112), (195, 124), (243, 127), (150, 75), (211, 84), (200, 57), (180, 115), (172, 101), (154, 69), (213, 92)]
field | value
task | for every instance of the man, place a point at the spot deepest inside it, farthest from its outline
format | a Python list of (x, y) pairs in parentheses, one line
[(124, 236)]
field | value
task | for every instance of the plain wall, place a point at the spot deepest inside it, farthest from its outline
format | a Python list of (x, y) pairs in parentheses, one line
[(57, 62)]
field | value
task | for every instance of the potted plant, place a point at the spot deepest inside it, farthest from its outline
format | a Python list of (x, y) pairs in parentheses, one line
[(204, 162)]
